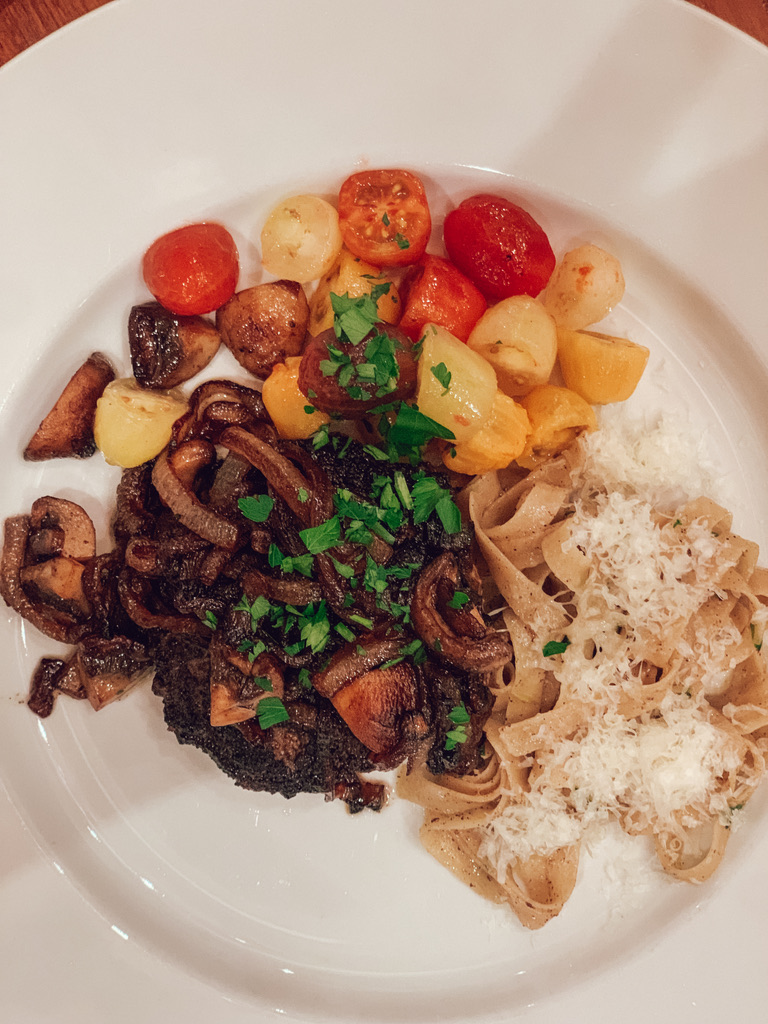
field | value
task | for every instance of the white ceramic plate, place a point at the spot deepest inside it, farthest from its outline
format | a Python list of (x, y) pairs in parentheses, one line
[(136, 882)]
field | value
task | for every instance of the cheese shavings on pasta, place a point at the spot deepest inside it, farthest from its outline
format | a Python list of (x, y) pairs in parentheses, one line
[(637, 695)]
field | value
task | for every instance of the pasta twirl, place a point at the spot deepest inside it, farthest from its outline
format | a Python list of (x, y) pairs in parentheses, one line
[(637, 695)]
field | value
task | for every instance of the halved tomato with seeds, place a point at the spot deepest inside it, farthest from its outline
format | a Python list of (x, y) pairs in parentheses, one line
[(384, 217)]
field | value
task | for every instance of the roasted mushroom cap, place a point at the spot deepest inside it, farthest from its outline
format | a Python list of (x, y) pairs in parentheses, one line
[(262, 325), (67, 430), (167, 349), (109, 668)]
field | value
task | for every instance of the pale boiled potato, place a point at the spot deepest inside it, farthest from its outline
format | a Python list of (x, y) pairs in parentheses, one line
[(518, 337), (133, 424), (301, 239), (584, 287), (456, 386)]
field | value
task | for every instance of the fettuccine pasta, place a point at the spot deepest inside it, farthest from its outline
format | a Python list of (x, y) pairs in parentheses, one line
[(637, 693)]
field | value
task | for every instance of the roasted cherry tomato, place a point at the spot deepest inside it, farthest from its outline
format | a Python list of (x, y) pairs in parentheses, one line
[(192, 270), (384, 217), (498, 246), (435, 292)]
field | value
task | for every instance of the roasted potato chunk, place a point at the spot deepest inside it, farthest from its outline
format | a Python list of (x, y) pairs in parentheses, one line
[(67, 430), (167, 349), (262, 325)]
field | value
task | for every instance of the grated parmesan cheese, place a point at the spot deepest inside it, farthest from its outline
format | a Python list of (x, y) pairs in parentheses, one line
[(648, 576)]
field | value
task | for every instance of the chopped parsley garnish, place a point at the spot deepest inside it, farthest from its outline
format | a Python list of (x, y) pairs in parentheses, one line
[(256, 508), (343, 630), (757, 639), (263, 682), (305, 678), (321, 437), (428, 497), (414, 650), (460, 718), (257, 608), (289, 563), (344, 570), (271, 711), (253, 648), (315, 627), (442, 375), (410, 432), (303, 495), (402, 241), (353, 319), (555, 647), (210, 620), (458, 600), (361, 620), (320, 538)]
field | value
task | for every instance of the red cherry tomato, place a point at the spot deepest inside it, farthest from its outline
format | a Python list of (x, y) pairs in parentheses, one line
[(384, 217), (435, 292), (498, 246), (192, 270)]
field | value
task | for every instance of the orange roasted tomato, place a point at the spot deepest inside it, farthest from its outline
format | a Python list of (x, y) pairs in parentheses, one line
[(384, 217), (435, 292), (192, 270)]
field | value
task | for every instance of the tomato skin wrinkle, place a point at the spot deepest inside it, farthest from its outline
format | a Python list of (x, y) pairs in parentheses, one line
[(384, 217), (193, 269), (499, 246)]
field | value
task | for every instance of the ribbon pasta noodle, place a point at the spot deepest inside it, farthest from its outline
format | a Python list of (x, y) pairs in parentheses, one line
[(637, 693)]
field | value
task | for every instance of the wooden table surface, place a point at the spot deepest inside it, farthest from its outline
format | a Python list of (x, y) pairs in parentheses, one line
[(24, 22)]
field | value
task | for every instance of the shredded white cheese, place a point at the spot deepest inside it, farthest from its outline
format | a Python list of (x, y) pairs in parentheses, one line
[(648, 575)]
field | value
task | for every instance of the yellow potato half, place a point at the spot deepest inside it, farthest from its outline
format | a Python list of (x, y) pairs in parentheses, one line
[(599, 367), (133, 424), (287, 405), (558, 416)]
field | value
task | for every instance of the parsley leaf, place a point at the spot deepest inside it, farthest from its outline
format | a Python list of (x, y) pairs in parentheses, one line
[(411, 431), (257, 608), (555, 647), (256, 508), (460, 718), (321, 538), (458, 600), (302, 564), (442, 375), (353, 319), (210, 620), (271, 711), (428, 497), (459, 714)]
